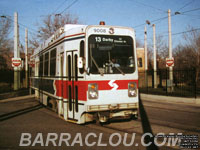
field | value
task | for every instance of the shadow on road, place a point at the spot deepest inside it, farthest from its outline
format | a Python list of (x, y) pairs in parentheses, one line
[(19, 112), (146, 126)]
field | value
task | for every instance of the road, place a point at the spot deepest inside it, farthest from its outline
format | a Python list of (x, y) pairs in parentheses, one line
[(27, 116)]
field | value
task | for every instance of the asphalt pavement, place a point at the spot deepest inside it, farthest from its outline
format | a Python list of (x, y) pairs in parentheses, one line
[(157, 115)]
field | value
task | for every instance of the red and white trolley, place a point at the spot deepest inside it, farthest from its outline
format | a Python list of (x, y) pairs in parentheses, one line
[(88, 72)]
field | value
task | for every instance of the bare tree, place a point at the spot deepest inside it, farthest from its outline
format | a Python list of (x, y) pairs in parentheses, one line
[(193, 46), (162, 51), (53, 22), (49, 25), (5, 25), (138, 43), (181, 55), (5, 42)]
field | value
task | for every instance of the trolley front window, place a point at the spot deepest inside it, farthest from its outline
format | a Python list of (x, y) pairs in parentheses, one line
[(109, 54)]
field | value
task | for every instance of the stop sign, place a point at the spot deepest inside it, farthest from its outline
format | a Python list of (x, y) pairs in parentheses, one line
[(169, 62), (32, 63), (16, 62)]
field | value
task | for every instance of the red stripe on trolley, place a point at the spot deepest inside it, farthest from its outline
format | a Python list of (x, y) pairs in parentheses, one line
[(62, 87)]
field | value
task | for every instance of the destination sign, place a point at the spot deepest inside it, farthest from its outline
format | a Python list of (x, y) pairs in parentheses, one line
[(110, 39)]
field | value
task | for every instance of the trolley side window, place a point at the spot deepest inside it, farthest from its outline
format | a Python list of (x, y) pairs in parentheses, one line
[(82, 54), (46, 64), (41, 66), (53, 62)]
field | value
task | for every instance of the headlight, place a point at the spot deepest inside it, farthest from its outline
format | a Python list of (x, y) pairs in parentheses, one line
[(132, 89), (92, 91)]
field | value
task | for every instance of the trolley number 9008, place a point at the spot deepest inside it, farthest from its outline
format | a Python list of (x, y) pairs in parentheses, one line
[(100, 30)]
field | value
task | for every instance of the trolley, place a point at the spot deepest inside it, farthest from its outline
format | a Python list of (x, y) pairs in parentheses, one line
[(87, 73)]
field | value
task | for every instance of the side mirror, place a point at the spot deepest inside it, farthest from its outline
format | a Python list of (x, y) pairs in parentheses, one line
[(80, 62)]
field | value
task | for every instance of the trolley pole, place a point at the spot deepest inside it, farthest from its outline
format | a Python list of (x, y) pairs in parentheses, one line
[(16, 52), (26, 57), (154, 58), (170, 49), (145, 56)]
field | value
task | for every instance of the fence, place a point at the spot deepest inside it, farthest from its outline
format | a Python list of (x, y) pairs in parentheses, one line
[(184, 84), (7, 79)]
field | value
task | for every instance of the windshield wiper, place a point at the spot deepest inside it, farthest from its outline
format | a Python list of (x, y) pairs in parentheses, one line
[(117, 68), (95, 63)]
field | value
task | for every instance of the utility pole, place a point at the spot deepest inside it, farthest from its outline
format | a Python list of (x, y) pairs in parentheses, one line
[(16, 52), (170, 49), (26, 57), (154, 58), (145, 56)]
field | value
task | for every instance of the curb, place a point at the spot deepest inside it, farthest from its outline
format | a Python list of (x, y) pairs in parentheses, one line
[(21, 92), (170, 99)]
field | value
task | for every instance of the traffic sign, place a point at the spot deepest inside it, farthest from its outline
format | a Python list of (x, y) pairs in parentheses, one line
[(16, 62), (169, 62), (32, 63)]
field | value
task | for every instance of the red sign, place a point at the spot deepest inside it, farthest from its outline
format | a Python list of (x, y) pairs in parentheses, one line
[(16, 62), (32, 64), (169, 62)]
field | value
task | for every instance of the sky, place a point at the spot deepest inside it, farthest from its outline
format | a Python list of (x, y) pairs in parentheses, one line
[(130, 13)]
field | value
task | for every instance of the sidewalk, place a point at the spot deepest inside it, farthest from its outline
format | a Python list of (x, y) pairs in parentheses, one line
[(170, 99), (17, 98), (12, 94)]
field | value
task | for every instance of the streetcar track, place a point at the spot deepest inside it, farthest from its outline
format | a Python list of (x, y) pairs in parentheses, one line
[(174, 126), (169, 125), (126, 131), (188, 105), (168, 109), (19, 112)]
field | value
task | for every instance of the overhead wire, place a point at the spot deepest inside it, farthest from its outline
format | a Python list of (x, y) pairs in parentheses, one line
[(33, 31), (150, 6), (59, 6), (160, 19), (187, 4), (173, 34), (191, 10), (75, 1)]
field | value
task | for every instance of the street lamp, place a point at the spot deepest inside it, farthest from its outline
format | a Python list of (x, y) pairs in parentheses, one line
[(146, 53), (3, 16), (154, 48), (177, 13)]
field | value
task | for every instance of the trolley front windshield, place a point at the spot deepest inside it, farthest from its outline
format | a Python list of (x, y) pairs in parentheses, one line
[(110, 54)]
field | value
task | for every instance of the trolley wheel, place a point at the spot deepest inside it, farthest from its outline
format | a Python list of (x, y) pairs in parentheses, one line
[(134, 117), (53, 105), (102, 120), (99, 123)]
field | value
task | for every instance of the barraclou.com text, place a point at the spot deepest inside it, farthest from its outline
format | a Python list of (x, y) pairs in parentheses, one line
[(93, 139)]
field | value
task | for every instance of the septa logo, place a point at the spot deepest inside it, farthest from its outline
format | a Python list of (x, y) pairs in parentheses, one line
[(113, 85)]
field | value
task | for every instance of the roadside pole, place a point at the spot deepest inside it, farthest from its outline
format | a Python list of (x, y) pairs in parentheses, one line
[(26, 57), (16, 52), (170, 51), (154, 58), (145, 55)]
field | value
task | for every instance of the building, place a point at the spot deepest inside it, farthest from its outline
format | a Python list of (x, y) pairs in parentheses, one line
[(141, 59)]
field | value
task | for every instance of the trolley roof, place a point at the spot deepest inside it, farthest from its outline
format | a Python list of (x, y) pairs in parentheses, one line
[(69, 29)]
